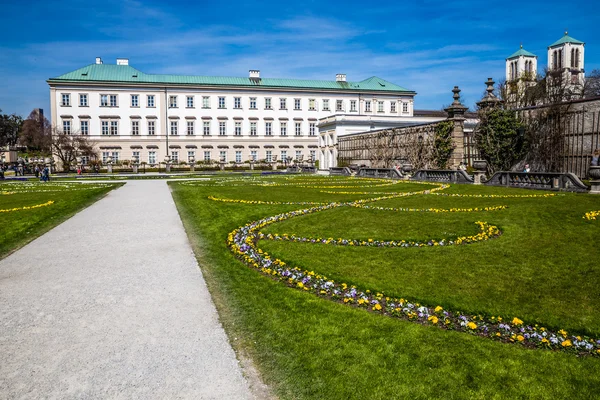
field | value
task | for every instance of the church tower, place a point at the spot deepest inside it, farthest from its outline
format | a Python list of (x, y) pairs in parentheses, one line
[(521, 66), (521, 72), (567, 56)]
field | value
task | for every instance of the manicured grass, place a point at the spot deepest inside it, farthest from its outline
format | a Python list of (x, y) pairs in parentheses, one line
[(542, 268), (21, 226)]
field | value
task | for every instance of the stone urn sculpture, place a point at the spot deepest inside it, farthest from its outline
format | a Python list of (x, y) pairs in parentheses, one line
[(274, 163), (480, 167), (192, 162), (109, 165), (135, 164), (594, 173), (167, 164)]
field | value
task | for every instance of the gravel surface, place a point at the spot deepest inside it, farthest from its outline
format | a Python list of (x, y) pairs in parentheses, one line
[(112, 304)]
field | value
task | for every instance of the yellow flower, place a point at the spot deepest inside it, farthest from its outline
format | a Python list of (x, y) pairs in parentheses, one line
[(517, 321), (438, 309), (300, 285), (376, 307), (433, 319), (520, 338), (563, 332), (567, 343), (472, 325)]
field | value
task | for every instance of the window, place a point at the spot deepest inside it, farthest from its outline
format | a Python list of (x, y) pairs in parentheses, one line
[(404, 107), (207, 156), (174, 128), (268, 103), (283, 155), (237, 102), (172, 101), (269, 156), (252, 128), (191, 155), (238, 156), (367, 105), (190, 128), (66, 100), (67, 126), (113, 100), (352, 105), (104, 127), (135, 155), (238, 128), (298, 128), (103, 100), (380, 106), (151, 125), (206, 128), (150, 100), (312, 105), (114, 127), (205, 102), (135, 100), (151, 157), (325, 104), (297, 104), (223, 156), (115, 156), (253, 103), (282, 104), (83, 100), (221, 102), (105, 155), (339, 105), (312, 128), (222, 128), (268, 128), (298, 154), (253, 155), (135, 127), (283, 129), (85, 127), (313, 154), (392, 106), (175, 156)]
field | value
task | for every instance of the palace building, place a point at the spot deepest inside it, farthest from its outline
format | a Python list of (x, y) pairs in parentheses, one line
[(131, 114)]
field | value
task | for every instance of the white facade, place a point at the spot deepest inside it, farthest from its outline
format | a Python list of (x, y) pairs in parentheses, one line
[(179, 117)]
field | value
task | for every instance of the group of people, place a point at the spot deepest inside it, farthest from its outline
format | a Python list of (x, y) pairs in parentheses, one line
[(42, 173)]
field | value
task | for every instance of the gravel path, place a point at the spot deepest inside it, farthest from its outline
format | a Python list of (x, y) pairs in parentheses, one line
[(112, 304)]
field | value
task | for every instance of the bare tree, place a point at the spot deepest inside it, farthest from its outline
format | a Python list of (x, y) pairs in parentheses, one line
[(67, 147), (591, 87)]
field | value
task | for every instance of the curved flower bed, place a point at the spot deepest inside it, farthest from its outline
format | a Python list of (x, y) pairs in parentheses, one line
[(243, 242), (487, 232), (434, 210), (28, 207), (225, 200)]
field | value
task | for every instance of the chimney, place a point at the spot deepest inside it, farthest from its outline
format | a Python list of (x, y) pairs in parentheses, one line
[(98, 60), (254, 73), (122, 61), (340, 77)]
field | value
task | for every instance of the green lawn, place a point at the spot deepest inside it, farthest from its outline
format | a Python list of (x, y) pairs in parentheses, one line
[(58, 202), (543, 268)]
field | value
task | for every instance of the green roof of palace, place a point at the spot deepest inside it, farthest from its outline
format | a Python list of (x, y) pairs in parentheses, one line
[(566, 39), (521, 52), (126, 74)]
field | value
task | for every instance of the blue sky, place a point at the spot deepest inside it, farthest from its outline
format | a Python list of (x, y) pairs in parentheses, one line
[(426, 46)]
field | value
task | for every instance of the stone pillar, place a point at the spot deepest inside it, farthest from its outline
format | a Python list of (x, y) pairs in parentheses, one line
[(222, 166), (251, 165), (456, 114)]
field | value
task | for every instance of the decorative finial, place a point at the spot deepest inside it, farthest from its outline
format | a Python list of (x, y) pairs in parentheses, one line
[(521, 44), (456, 95), (566, 32)]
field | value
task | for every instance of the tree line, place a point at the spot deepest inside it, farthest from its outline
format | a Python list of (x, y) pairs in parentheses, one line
[(38, 138)]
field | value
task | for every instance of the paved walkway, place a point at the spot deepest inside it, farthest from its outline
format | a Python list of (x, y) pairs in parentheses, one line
[(112, 304)]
